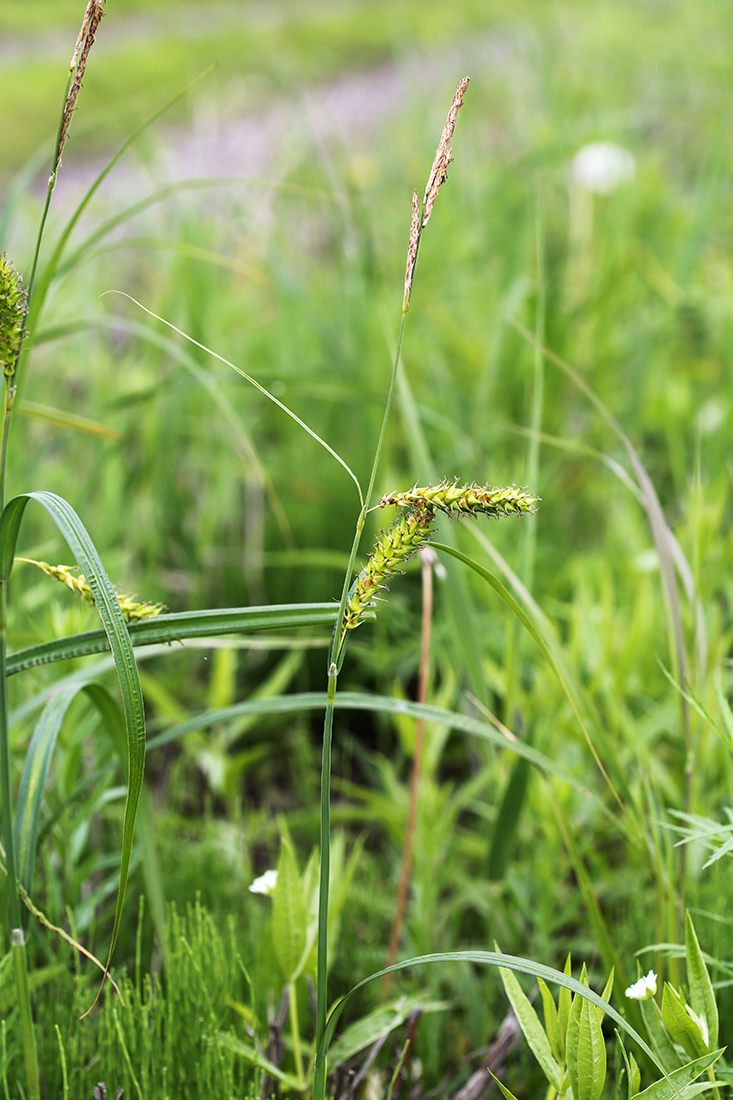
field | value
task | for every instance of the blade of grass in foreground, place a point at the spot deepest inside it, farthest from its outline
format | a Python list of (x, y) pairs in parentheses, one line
[(177, 627), (484, 958), (86, 556)]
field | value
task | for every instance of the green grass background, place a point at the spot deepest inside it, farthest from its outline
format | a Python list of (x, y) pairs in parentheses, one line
[(177, 505)]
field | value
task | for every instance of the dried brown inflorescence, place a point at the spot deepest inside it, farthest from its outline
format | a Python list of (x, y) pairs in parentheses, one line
[(443, 153), (90, 22), (435, 180)]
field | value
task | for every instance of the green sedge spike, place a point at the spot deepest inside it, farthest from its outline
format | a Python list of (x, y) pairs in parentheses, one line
[(455, 499), (133, 610), (13, 309), (410, 532)]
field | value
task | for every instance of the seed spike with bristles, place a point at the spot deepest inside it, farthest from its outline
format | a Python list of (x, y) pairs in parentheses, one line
[(410, 532), (133, 610), (472, 499), (13, 309)]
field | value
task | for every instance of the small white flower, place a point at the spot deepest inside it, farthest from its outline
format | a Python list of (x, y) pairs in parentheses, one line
[(644, 988), (265, 884), (601, 166)]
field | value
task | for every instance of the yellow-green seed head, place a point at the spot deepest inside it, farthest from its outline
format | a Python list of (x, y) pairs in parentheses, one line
[(455, 499), (13, 308), (133, 610), (410, 532)]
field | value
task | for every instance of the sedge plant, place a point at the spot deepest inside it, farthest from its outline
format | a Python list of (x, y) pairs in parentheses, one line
[(412, 530)]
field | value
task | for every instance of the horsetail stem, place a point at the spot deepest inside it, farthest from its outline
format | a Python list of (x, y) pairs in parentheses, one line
[(455, 499), (133, 610)]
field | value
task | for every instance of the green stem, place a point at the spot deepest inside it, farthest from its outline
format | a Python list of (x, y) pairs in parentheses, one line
[(295, 1032), (323, 887), (17, 936)]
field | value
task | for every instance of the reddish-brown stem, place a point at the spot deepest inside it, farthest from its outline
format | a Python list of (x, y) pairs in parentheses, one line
[(422, 692)]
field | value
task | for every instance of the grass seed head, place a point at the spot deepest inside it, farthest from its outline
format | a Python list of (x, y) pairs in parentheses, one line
[(90, 22), (443, 153), (133, 610), (409, 533), (472, 499), (13, 309), (412, 251)]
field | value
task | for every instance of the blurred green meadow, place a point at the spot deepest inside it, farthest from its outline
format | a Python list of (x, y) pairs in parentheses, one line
[(551, 321)]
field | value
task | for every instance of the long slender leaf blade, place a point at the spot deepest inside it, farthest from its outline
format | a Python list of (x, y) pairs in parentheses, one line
[(180, 626), (35, 771), (88, 560)]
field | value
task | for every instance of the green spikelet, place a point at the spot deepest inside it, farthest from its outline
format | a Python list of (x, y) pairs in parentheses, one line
[(13, 308), (455, 499), (132, 609), (410, 532)]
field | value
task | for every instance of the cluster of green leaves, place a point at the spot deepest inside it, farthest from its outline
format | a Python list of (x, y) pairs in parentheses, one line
[(571, 1047)]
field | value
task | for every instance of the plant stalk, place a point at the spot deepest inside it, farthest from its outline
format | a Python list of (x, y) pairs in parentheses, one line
[(17, 935)]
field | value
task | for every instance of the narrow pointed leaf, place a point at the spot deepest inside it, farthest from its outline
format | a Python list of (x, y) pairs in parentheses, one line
[(88, 560), (658, 1035), (533, 1031), (178, 627), (585, 1051), (680, 1080), (702, 997), (552, 1023), (680, 1025)]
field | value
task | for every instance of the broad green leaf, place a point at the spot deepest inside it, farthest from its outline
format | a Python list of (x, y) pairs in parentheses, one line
[(552, 1023), (658, 1036), (702, 997), (289, 916), (678, 1021), (383, 1020), (88, 560), (533, 1031), (680, 1080), (585, 1050)]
